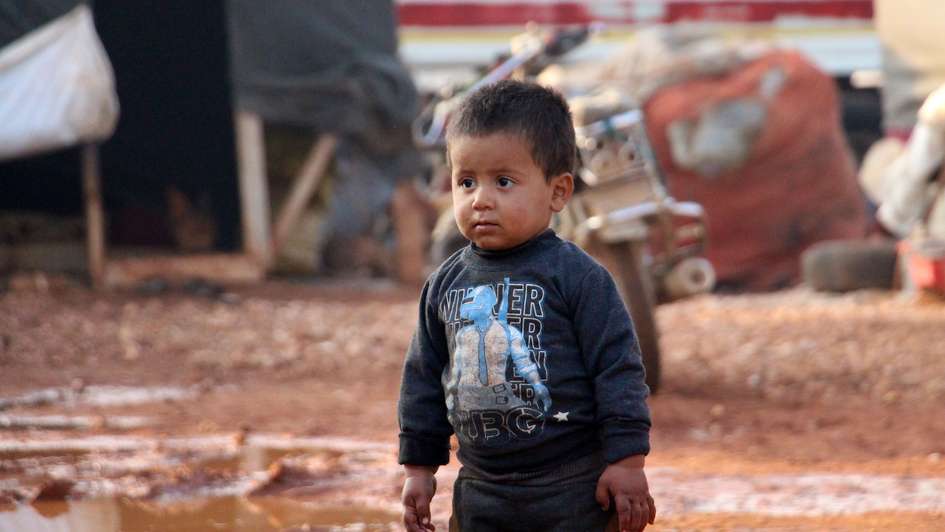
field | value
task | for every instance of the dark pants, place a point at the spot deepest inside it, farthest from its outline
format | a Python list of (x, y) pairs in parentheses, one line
[(483, 506)]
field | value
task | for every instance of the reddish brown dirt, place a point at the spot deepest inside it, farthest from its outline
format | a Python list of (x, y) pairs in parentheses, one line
[(783, 383)]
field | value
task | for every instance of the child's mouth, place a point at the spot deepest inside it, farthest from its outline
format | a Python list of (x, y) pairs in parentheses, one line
[(485, 226)]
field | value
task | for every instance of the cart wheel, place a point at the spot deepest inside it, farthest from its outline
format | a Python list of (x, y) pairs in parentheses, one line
[(636, 287)]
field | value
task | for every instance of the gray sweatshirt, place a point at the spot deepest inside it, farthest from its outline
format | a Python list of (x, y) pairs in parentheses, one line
[(529, 356)]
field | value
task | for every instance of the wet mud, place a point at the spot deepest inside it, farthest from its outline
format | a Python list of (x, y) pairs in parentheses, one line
[(271, 482), (787, 411)]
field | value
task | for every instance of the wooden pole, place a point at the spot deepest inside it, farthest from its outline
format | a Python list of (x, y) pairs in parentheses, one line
[(94, 216), (304, 187), (254, 195)]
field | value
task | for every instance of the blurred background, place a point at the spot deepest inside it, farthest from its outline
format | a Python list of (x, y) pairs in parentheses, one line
[(215, 218)]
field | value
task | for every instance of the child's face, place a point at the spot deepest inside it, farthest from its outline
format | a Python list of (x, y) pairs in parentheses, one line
[(500, 196)]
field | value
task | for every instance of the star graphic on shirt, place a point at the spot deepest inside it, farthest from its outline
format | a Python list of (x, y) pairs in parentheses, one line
[(561, 416)]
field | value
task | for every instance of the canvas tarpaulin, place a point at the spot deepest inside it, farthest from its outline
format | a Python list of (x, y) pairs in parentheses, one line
[(332, 65)]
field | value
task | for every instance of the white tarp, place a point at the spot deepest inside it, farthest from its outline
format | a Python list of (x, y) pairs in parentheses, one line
[(57, 88), (901, 177)]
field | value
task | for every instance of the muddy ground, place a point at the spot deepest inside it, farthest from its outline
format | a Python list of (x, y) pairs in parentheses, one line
[(784, 411)]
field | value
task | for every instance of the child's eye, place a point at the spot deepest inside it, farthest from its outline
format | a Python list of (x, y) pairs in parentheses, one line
[(467, 182), (505, 182)]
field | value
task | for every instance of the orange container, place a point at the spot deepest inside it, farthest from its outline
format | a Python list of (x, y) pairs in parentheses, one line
[(925, 261)]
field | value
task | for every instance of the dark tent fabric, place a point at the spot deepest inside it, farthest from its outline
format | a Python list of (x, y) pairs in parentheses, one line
[(331, 65), (19, 17)]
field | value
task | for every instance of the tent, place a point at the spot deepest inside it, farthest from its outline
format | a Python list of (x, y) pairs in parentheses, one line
[(197, 82)]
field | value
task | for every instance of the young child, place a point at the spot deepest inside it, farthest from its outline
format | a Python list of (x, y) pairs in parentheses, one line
[(524, 348)]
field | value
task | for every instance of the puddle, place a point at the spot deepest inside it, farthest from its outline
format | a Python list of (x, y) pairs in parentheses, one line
[(199, 515), (257, 458), (198, 468)]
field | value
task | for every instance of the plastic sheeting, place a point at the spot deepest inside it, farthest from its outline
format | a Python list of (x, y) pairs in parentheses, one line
[(58, 87)]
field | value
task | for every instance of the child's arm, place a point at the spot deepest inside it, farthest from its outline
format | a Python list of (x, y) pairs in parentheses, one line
[(424, 427), (625, 482), (419, 488), (612, 358), (612, 355)]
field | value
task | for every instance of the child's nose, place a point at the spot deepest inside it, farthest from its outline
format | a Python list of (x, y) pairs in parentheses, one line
[(483, 198)]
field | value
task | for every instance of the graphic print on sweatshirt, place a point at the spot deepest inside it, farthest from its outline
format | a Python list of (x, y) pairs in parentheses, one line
[(495, 389)]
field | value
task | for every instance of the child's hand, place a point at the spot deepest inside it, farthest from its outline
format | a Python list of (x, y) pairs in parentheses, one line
[(625, 482), (419, 487)]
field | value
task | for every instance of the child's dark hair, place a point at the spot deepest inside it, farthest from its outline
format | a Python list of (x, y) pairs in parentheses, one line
[(539, 114)]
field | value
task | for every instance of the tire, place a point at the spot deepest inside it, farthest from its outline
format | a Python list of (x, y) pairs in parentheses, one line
[(847, 265), (636, 287)]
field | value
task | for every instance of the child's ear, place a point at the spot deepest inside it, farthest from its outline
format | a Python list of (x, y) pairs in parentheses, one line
[(562, 187)]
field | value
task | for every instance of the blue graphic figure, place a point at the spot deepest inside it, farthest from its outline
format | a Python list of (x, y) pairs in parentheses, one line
[(481, 356)]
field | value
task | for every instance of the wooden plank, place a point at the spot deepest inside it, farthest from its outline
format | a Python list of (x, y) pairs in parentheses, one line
[(412, 215), (222, 268), (304, 187), (254, 192), (46, 256), (94, 216)]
